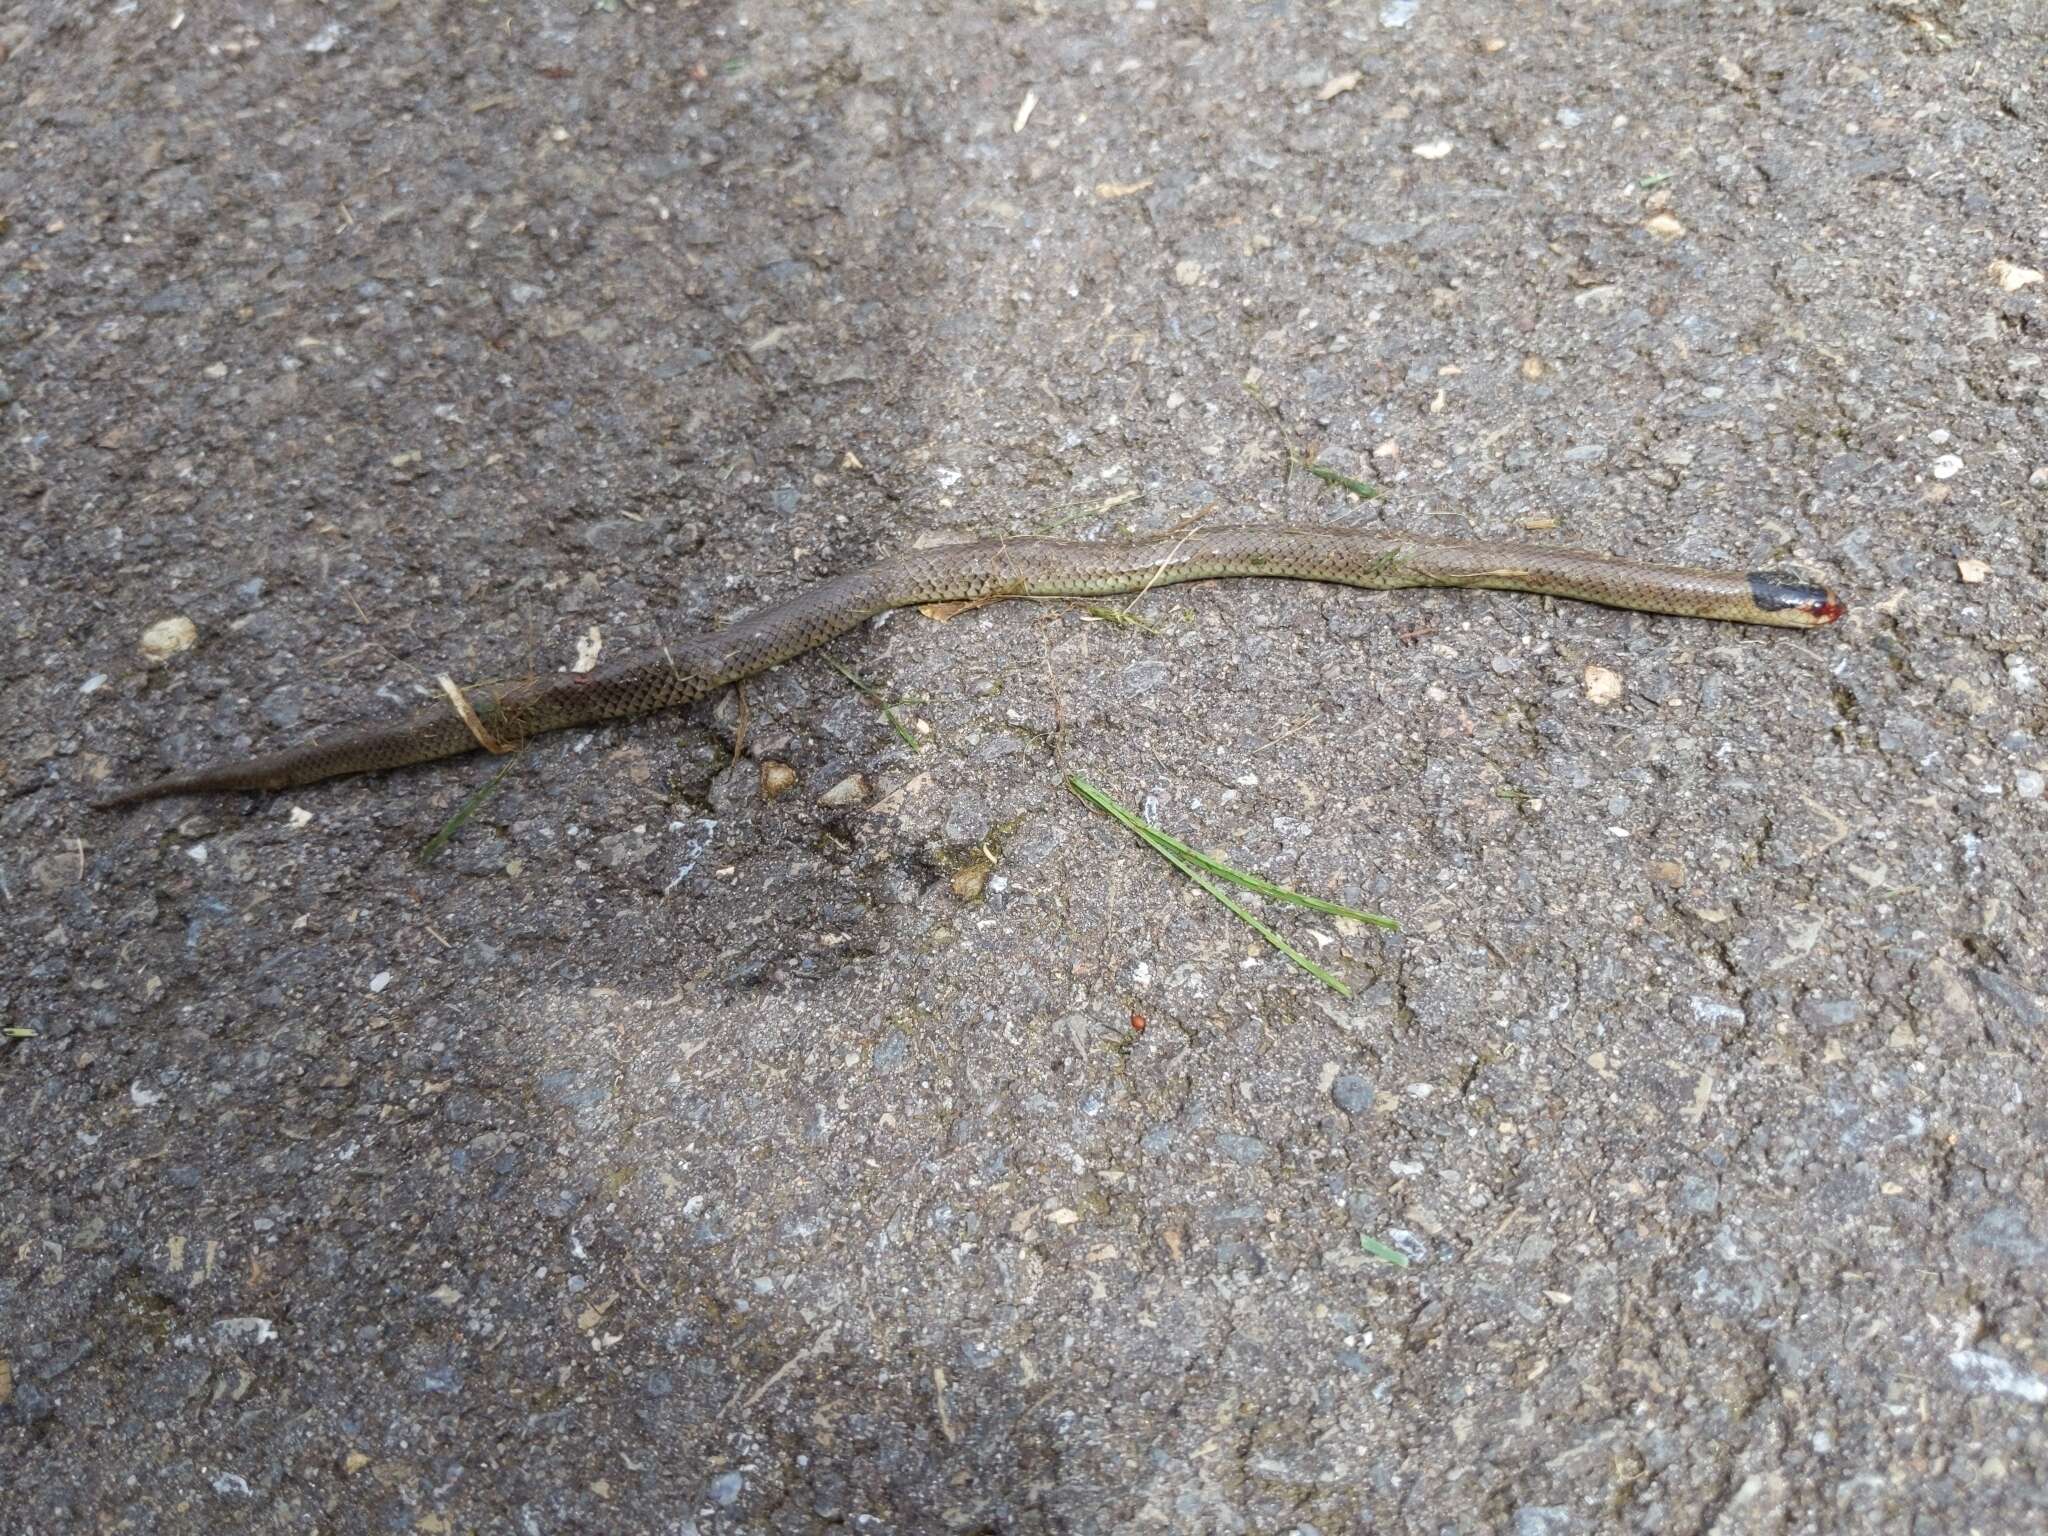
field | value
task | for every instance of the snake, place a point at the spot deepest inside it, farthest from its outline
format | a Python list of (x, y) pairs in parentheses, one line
[(498, 715)]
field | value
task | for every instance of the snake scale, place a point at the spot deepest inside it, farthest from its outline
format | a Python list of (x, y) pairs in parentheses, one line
[(1000, 568)]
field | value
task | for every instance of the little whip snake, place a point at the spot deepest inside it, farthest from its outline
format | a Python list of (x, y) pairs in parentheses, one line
[(998, 568)]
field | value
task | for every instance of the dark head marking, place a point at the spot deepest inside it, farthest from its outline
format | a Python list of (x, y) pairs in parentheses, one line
[(1777, 591)]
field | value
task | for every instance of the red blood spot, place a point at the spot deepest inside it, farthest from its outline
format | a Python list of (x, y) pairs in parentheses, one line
[(1827, 609)]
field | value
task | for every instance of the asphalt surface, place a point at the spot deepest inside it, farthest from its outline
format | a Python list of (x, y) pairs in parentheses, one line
[(670, 1156)]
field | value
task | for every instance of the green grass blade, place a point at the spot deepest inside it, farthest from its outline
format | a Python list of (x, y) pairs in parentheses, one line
[(1364, 490), (1253, 923), (1123, 618), (1267, 888), (851, 676), (875, 695), (1221, 870), (1382, 1252), (902, 733), (467, 809), (1205, 872)]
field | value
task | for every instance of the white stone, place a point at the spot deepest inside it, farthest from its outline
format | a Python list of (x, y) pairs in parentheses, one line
[(167, 637)]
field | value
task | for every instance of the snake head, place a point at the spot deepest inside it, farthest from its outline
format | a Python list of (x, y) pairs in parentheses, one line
[(1790, 600)]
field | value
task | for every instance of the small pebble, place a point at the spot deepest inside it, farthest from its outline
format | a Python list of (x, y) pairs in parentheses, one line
[(1245, 1150), (2028, 784), (167, 637), (892, 1053), (246, 1330), (1947, 467), (1404, 1241), (850, 790), (1830, 1013), (1602, 685), (1352, 1094), (1147, 675)]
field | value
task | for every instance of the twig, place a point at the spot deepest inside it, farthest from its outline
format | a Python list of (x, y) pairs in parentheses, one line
[(1092, 509), (1294, 729), (739, 732), (794, 1363), (1059, 723)]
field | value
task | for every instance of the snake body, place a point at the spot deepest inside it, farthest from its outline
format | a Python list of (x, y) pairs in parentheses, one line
[(1000, 568)]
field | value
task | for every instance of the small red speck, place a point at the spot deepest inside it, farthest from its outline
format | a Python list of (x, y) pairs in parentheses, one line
[(1138, 1023)]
